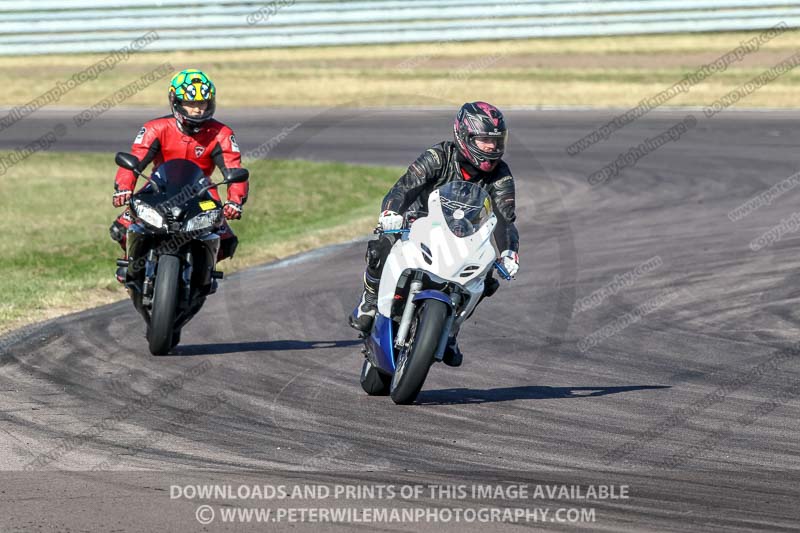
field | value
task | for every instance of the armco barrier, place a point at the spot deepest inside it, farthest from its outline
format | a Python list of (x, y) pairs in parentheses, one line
[(46, 27)]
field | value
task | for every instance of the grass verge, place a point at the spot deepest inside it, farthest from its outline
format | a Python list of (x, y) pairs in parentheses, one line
[(56, 256), (596, 71)]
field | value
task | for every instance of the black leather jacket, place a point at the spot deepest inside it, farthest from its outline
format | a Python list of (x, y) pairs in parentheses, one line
[(441, 164)]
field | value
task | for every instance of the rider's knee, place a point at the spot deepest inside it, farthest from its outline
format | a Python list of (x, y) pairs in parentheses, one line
[(117, 231), (490, 286), (228, 246), (377, 252)]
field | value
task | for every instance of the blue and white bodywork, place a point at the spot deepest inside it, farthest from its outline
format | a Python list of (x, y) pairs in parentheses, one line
[(445, 255)]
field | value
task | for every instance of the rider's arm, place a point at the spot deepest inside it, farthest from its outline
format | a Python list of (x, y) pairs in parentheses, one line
[(226, 155), (424, 170), (503, 197), (146, 146)]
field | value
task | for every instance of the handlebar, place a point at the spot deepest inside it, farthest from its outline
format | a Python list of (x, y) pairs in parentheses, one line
[(391, 231), (503, 272)]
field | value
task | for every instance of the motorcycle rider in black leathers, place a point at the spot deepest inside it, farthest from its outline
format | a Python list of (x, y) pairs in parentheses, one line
[(480, 135)]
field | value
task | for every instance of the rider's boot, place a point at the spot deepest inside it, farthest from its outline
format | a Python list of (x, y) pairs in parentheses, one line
[(452, 353), (364, 314)]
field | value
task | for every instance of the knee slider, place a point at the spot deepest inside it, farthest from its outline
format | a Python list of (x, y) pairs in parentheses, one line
[(490, 287), (373, 257), (117, 231), (229, 246)]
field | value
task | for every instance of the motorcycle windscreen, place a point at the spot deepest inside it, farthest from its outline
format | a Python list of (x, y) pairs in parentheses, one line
[(466, 207), (179, 175)]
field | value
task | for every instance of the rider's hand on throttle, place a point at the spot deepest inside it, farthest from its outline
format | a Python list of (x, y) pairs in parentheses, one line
[(121, 198), (232, 210), (389, 220), (510, 261)]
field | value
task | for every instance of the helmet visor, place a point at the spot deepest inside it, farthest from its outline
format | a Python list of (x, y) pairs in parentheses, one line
[(195, 111), (490, 144), (194, 108)]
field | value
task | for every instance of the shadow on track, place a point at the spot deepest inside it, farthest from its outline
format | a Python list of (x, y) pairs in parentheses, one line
[(464, 396), (259, 346)]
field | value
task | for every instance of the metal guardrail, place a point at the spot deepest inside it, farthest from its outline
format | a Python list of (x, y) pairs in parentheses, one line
[(53, 26)]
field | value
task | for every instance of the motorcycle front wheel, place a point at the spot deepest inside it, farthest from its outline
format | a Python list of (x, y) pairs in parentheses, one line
[(416, 359), (165, 304)]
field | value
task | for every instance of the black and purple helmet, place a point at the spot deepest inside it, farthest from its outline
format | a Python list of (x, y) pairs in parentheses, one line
[(480, 134)]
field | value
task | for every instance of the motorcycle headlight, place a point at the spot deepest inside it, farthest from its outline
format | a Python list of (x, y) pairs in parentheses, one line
[(202, 221), (149, 215)]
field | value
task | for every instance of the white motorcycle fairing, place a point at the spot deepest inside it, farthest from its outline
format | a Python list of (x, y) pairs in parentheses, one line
[(431, 246)]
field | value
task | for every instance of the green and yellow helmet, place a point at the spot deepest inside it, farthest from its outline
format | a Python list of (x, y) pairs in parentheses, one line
[(191, 85)]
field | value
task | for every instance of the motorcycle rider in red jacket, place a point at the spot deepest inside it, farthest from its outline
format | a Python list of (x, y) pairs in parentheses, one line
[(190, 133)]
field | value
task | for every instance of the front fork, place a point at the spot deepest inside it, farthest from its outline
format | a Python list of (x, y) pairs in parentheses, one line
[(408, 315), (187, 277), (401, 339), (149, 277)]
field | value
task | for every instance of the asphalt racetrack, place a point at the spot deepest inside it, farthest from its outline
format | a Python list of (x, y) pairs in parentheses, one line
[(678, 379)]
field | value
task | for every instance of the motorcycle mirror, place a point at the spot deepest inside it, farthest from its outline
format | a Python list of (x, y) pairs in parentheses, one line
[(131, 162), (237, 175), (233, 175), (127, 161)]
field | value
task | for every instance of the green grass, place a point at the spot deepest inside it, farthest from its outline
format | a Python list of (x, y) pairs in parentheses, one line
[(56, 255), (598, 71)]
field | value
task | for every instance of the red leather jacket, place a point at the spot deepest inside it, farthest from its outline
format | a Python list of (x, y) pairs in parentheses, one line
[(160, 140)]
